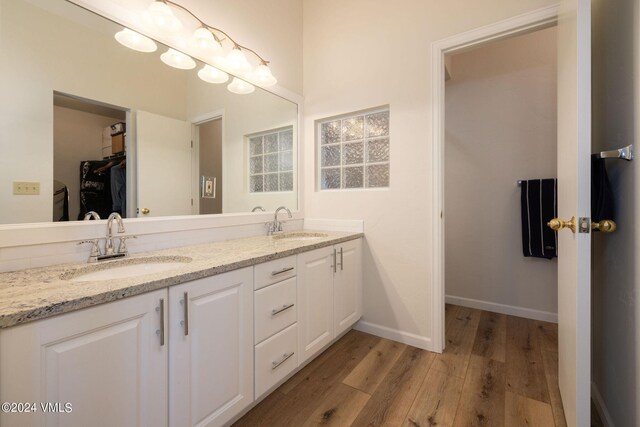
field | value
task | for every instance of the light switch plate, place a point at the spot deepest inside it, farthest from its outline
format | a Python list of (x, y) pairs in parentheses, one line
[(26, 188)]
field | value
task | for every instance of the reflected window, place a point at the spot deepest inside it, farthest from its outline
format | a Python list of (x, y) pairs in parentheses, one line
[(354, 151), (271, 161)]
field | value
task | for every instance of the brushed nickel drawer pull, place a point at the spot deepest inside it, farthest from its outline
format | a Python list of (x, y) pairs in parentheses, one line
[(285, 357), (280, 310), (335, 263), (186, 313), (284, 270), (341, 260)]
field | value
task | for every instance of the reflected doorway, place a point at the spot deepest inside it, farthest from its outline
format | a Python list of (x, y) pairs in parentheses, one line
[(209, 137)]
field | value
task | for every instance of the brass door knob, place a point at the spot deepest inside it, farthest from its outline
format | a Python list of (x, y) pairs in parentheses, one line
[(145, 211), (606, 226), (558, 224)]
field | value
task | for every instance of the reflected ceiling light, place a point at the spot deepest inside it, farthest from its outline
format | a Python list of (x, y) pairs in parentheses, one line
[(237, 62), (212, 75), (135, 41), (263, 77), (240, 86), (159, 16), (177, 59), (204, 40)]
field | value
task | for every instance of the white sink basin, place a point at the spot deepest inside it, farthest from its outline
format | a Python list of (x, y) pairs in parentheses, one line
[(299, 235), (126, 268)]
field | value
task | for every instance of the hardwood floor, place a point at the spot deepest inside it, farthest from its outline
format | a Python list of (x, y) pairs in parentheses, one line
[(496, 370)]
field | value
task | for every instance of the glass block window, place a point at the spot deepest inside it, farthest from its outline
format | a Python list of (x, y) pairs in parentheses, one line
[(271, 161), (354, 151)]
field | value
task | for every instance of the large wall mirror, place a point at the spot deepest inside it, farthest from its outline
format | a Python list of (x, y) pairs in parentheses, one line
[(89, 125)]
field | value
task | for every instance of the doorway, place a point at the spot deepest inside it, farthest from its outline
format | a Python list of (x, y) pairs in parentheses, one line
[(208, 135), (501, 130)]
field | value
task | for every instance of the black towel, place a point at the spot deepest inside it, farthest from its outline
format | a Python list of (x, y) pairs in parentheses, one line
[(539, 206), (602, 206)]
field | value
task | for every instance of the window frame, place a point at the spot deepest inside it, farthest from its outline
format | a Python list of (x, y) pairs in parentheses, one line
[(248, 158), (318, 150)]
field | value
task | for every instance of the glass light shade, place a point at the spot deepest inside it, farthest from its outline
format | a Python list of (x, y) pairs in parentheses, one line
[(236, 61), (262, 76), (240, 86), (160, 17), (212, 75), (135, 41), (177, 59), (204, 41)]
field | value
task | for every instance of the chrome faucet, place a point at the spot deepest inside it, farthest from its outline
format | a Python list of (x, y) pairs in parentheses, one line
[(258, 208), (276, 226), (91, 215), (108, 246)]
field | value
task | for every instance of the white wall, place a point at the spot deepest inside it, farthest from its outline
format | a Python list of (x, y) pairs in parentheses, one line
[(501, 121), (360, 54), (77, 136), (616, 256)]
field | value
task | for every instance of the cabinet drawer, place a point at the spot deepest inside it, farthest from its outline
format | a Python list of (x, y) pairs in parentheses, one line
[(274, 271), (276, 358), (275, 308)]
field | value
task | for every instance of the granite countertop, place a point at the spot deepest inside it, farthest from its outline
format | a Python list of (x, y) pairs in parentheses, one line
[(38, 293)]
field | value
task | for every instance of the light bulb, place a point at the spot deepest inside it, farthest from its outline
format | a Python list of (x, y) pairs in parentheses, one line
[(240, 87), (262, 76), (204, 41), (212, 75), (135, 41), (236, 61), (177, 59), (160, 17)]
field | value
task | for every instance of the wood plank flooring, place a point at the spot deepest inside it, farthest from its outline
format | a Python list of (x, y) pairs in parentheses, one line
[(496, 370)]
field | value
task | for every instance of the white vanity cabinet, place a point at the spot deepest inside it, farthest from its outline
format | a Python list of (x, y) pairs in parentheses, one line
[(211, 349), (329, 295), (107, 361)]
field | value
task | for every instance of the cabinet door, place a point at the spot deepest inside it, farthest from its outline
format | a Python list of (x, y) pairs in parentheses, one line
[(315, 301), (106, 361), (347, 285), (211, 342)]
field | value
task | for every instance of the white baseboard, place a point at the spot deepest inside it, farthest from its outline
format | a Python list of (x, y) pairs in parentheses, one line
[(511, 310), (600, 406), (395, 335)]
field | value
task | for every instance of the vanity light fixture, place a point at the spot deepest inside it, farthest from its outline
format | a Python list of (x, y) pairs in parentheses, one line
[(178, 60), (212, 75), (135, 41), (262, 76), (207, 41), (237, 62), (159, 16), (240, 86)]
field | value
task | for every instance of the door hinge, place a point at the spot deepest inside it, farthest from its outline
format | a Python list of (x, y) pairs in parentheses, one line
[(191, 202), (191, 144), (584, 224)]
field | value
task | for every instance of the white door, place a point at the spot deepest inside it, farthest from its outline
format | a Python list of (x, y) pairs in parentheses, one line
[(211, 349), (163, 165), (574, 178), (108, 362), (347, 286), (315, 301)]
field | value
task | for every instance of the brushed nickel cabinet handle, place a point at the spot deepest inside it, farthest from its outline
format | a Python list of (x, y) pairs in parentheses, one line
[(185, 306), (285, 357), (341, 260), (284, 270), (335, 264), (161, 309), (280, 310)]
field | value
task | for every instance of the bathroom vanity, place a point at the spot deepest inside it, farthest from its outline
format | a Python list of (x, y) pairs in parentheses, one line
[(197, 344)]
